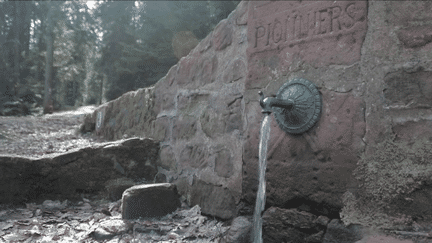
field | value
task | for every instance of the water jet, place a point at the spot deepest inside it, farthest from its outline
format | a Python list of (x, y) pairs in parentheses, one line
[(297, 107)]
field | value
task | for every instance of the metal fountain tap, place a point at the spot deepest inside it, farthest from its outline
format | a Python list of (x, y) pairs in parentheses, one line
[(269, 102), (297, 105)]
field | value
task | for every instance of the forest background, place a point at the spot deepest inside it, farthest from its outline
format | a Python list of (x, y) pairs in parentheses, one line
[(59, 55)]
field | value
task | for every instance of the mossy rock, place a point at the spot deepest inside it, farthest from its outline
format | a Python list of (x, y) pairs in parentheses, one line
[(395, 170)]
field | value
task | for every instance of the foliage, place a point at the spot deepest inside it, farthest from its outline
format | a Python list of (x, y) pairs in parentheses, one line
[(127, 43)]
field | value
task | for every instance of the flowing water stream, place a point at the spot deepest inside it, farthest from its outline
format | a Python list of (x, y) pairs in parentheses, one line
[(261, 198)]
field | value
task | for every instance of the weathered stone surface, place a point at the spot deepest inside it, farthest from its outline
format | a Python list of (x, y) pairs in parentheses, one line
[(241, 13), (167, 158), (416, 36), (116, 187), (280, 225), (224, 117), (402, 88), (224, 163), (223, 35), (165, 94), (149, 200), (184, 127), (131, 114), (411, 131), (315, 238), (322, 221), (396, 56), (236, 71), (161, 128), (188, 102), (214, 200), (415, 204), (183, 42), (81, 171), (240, 230), (303, 167), (195, 108), (108, 229), (194, 155), (320, 33), (338, 233), (370, 61), (187, 66)]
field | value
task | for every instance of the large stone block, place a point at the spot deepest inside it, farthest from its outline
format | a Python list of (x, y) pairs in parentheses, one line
[(402, 88), (150, 200), (417, 36), (184, 127), (338, 233), (223, 116), (235, 71), (316, 166), (224, 163), (281, 225), (167, 158), (130, 113), (240, 230), (320, 33), (213, 199), (86, 170), (194, 155)]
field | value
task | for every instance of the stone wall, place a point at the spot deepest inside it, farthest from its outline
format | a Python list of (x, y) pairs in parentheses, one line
[(196, 112), (371, 61)]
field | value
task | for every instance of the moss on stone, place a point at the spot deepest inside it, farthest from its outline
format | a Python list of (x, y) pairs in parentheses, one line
[(396, 168)]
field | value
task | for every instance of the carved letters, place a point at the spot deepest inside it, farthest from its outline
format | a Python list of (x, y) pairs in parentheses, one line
[(306, 23)]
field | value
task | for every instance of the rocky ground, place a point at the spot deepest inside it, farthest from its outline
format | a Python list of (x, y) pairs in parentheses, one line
[(100, 221), (92, 219)]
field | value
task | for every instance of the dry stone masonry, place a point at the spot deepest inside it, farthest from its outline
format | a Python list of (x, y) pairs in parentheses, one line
[(365, 163)]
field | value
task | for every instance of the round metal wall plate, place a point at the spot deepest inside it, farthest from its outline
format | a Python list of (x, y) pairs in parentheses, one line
[(307, 106)]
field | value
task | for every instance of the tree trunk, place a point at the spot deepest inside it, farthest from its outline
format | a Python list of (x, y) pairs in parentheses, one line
[(104, 89), (25, 36), (48, 104), (17, 30)]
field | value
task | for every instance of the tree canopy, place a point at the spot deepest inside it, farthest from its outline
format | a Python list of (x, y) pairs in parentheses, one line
[(99, 52)]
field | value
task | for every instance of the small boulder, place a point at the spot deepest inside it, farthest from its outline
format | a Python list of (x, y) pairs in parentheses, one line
[(149, 200), (337, 232), (293, 225), (240, 230), (110, 228)]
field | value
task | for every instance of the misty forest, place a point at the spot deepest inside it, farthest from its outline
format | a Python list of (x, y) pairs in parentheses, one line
[(60, 55)]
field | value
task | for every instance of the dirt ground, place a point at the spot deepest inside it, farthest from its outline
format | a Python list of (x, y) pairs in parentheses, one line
[(36, 136)]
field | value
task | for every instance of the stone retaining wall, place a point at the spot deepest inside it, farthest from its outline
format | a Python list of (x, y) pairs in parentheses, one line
[(371, 62)]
